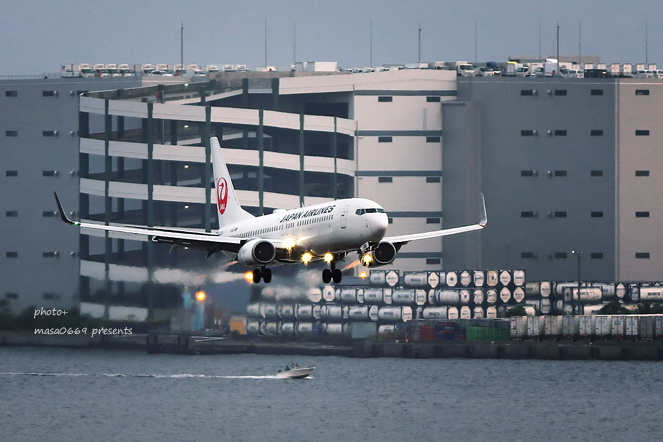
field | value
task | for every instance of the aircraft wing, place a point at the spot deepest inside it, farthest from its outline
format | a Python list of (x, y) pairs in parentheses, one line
[(403, 239), (187, 238)]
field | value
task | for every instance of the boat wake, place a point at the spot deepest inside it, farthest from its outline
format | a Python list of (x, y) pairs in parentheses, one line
[(157, 376)]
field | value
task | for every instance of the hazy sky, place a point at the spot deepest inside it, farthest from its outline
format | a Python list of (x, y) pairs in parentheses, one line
[(37, 35)]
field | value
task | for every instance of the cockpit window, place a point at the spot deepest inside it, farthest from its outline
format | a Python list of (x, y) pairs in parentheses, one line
[(363, 211)]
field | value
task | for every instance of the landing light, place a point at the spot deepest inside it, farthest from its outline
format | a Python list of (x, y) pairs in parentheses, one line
[(307, 257), (248, 276), (200, 296), (367, 259), (363, 275), (329, 257), (289, 243)]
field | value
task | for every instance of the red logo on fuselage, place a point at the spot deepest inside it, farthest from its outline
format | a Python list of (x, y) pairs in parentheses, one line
[(221, 195)]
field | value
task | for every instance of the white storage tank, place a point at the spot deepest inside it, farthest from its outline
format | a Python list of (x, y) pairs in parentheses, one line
[(358, 313), (477, 312), (434, 313), (386, 296), (591, 309), (373, 311), (588, 294), (304, 328), (286, 311), (373, 296), (332, 312), (420, 297), (492, 278), (349, 296), (518, 294), (634, 292), (304, 311), (360, 295), (560, 286), (545, 289), (620, 290), (533, 289), (316, 312), (447, 297), (491, 296), (519, 278), (433, 279), (268, 311), (273, 328), (385, 329), (478, 296), (377, 277), (479, 278), (328, 293), (545, 306), (452, 313), (287, 328), (505, 295), (252, 327), (607, 290), (651, 294), (552, 326), (336, 329), (314, 295), (451, 279), (415, 279), (465, 296), (534, 303), (491, 312), (253, 310), (395, 314), (465, 278), (505, 277), (267, 293), (465, 312), (402, 296)]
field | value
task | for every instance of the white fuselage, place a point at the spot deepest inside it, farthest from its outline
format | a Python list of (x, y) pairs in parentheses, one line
[(333, 227)]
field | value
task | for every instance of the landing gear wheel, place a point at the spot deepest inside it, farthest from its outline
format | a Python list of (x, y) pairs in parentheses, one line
[(326, 276), (267, 275), (256, 276), (337, 275)]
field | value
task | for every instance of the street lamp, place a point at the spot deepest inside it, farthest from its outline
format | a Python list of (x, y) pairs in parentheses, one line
[(578, 255)]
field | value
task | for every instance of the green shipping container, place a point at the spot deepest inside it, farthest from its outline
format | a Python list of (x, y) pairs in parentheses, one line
[(487, 334)]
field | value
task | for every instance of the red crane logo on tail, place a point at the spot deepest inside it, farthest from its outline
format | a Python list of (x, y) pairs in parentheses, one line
[(222, 195)]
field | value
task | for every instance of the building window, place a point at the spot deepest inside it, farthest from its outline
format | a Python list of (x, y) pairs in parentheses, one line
[(11, 295), (11, 93), (390, 220), (385, 179), (433, 179), (560, 173), (527, 255), (432, 261), (385, 99), (596, 255), (642, 214), (49, 173), (641, 133), (560, 214), (432, 99), (11, 173), (49, 93), (527, 214), (384, 139), (597, 214), (596, 133), (641, 173), (11, 133), (11, 213), (597, 92), (596, 173), (527, 173), (642, 92), (11, 254), (432, 139), (48, 214), (642, 255), (432, 220), (560, 91), (49, 254), (49, 133), (560, 133), (527, 92), (560, 255), (527, 133)]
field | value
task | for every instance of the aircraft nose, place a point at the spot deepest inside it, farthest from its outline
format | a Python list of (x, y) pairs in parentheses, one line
[(378, 224)]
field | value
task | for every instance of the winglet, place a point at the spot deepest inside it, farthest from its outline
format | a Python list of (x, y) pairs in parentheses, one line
[(484, 217), (62, 212)]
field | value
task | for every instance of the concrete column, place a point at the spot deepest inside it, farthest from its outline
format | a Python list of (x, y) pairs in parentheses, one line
[(301, 159), (208, 168), (261, 154), (275, 94), (334, 153)]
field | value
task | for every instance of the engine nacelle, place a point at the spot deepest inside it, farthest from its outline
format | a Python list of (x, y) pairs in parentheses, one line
[(257, 252), (383, 254)]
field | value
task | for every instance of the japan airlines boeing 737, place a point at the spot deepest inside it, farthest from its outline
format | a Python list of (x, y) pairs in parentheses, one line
[(326, 231)]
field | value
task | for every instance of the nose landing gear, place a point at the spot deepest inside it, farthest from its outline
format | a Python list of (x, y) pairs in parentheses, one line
[(262, 273)]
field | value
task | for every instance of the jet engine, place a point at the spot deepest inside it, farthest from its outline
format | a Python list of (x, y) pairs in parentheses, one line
[(383, 254), (257, 252)]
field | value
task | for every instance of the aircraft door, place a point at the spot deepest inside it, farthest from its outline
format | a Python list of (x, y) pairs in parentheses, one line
[(344, 216)]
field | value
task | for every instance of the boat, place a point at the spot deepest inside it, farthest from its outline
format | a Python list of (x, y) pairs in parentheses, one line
[(294, 371)]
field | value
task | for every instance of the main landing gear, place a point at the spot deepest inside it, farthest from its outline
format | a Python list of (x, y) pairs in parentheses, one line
[(332, 273), (262, 273)]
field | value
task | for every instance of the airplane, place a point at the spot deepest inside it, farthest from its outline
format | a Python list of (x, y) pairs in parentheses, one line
[(321, 232)]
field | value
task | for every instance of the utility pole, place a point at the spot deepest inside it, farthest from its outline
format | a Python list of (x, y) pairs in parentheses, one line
[(579, 45), (646, 44), (182, 46), (265, 42), (475, 42), (539, 39), (419, 57), (370, 44), (557, 73), (294, 44)]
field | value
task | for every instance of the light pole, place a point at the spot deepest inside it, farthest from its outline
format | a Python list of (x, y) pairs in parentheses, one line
[(578, 255)]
